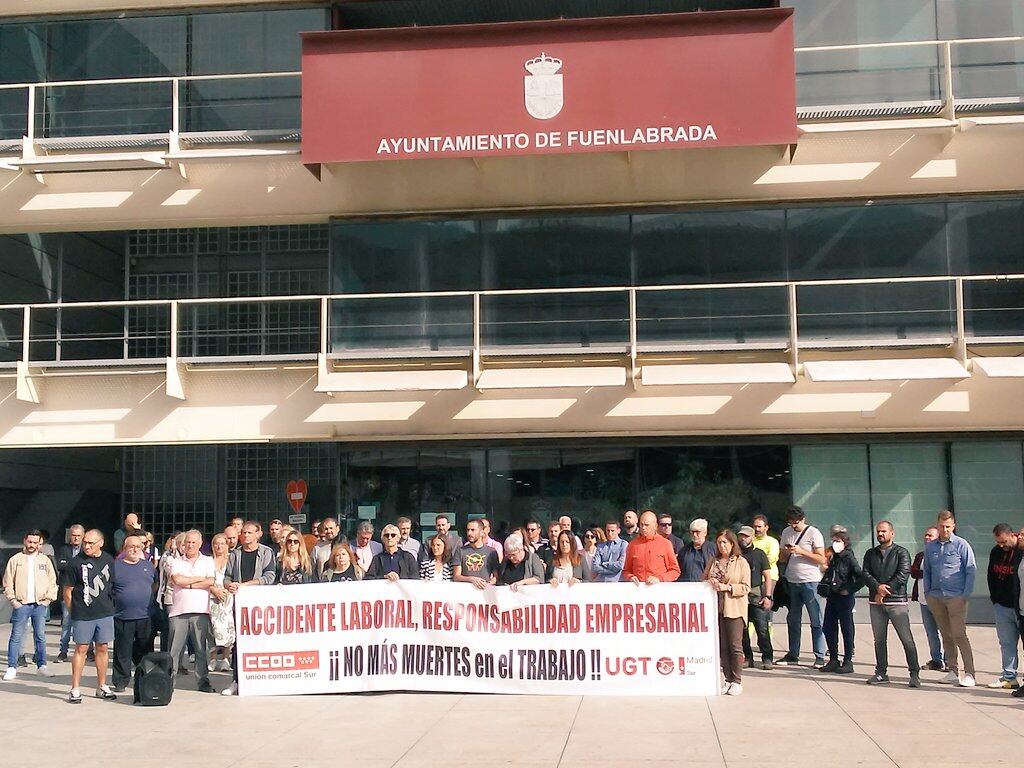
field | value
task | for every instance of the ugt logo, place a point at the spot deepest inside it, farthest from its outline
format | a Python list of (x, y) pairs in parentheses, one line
[(543, 87)]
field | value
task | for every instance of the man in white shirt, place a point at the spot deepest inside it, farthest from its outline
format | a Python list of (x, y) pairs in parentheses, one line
[(365, 547), (405, 540), (322, 549), (192, 575), (800, 561)]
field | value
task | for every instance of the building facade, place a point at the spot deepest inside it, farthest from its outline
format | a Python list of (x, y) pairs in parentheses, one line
[(192, 313)]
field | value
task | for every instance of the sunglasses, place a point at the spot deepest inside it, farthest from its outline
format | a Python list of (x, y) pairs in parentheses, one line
[(292, 541), (390, 535), (589, 536), (664, 525)]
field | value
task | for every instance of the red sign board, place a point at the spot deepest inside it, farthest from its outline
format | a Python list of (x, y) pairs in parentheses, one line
[(296, 491), (672, 81)]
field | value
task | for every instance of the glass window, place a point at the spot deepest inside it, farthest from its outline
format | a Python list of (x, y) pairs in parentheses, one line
[(147, 46), (867, 76), (709, 247), (871, 241), (986, 237), (252, 41), (400, 257), (909, 487), (589, 484), (988, 488), (726, 485), (830, 483), (556, 252), (992, 71)]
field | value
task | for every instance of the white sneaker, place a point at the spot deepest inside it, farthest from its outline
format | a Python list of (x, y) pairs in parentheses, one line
[(10, 674), (231, 690), (968, 682), (224, 666), (735, 689), (951, 678), (1006, 685), (43, 671)]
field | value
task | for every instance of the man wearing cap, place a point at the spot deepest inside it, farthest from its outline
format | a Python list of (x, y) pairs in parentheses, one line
[(759, 599)]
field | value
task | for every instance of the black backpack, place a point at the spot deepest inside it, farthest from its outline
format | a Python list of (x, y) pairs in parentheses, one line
[(154, 682)]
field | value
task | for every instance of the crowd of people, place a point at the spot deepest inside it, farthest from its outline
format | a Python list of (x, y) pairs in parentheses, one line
[(184, 594)]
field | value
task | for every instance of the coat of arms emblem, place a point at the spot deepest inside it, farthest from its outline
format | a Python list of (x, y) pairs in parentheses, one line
[(543, 87)]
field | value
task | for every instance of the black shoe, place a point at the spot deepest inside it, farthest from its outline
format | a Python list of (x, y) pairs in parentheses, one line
[(119, 688), (748, 663), (90, 656), (878, 680), (831, 666), (915, 681), (1018, 693), (846, 668), (767, 666), (205, 687), (787, 659), (22, 661), (935, 666), (62, 657)]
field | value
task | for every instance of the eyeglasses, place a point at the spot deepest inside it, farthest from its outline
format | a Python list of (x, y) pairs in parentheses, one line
[(694, 531), (589, 536), (90, 543), (291, 541), (665, 525), (390, 535)]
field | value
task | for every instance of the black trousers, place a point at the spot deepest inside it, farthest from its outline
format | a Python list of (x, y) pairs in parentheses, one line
[(133, 639), (761, 619)]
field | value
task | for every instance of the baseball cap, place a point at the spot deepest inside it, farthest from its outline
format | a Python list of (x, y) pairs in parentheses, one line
[(746, 530)]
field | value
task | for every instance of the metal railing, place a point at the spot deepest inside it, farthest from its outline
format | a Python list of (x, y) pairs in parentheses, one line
[(175, 111), (785, 316)]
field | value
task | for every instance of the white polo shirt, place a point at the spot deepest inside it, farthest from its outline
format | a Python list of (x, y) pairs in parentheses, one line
[(191, 600)]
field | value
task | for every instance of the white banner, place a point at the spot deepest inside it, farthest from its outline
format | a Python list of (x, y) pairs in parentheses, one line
[(588, 639)]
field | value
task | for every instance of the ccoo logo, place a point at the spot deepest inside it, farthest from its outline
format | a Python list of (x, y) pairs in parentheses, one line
[(280, 662)]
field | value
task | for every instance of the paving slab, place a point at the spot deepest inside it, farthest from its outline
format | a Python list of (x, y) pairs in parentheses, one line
[(857, 726)]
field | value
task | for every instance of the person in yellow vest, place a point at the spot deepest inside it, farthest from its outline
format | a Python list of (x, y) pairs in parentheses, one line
[(767, 544)]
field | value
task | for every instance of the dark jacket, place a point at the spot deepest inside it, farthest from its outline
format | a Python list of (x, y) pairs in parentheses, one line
[(64, 555), (891, 567), (917, 571), (408, 568), (844, 576), (693, 562), (266, 565), (1003, 587)]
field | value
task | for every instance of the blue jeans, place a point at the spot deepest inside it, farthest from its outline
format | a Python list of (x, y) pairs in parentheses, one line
[(800, 595), (839, 615), (65, 630), (931, 629), (1008, 634), (20, 618)]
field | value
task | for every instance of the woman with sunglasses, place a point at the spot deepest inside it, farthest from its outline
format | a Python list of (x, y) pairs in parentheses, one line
[(591, 538), (293, 564)]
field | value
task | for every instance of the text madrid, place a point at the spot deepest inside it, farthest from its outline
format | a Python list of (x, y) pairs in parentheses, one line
[(599, 618), (498, 142)]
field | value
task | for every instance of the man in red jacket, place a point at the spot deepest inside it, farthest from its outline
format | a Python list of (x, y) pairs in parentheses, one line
[(649, 557)]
